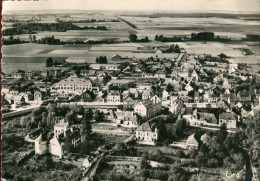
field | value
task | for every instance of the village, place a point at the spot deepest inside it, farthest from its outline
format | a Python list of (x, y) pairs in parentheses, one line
[(166, 111)]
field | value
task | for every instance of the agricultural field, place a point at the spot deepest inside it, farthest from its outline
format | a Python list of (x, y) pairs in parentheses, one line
[(214, 48), (170, 25), (148, 24)]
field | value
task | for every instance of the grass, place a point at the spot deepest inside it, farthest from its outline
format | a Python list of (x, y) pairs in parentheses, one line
[(99, 139)]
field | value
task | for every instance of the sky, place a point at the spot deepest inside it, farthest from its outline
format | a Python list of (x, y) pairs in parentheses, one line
[(169, 5)]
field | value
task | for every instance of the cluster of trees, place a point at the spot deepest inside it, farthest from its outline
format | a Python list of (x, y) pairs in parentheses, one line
[(162, 38), (94, 20), (11, 41), (50, 62), (252, 37), (94, 28), (134, 38), (99, 116), (252, 138), (86, 131), (208, 58), (174, 48), (12, 31), (173, 133), (101, 60), (129, 23), (32, 38), (203, 36), (222, 149), (30, 28), (49, 40)]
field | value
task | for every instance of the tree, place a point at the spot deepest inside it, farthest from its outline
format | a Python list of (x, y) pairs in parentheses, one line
[(99, 116), (30, 38), (156, 38), (87, 129), (180, 154), (34, 38), (70, 117), (68, 142), (44, 119), (132, 37), (79, 110), (49, 62), (222, 134), (11, 38), (28, 125), (143, 161)]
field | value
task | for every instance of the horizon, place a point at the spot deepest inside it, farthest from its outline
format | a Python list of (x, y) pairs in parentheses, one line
[(226, 6)]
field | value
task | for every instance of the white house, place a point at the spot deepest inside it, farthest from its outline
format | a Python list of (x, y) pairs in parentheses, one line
[(229, 119), (146, 135), (148, 108)]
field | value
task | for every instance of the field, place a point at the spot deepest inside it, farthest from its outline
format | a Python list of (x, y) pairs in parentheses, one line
[(33, 56), (171, 25)]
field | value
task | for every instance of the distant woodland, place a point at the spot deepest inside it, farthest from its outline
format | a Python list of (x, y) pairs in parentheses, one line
[(31, 28)]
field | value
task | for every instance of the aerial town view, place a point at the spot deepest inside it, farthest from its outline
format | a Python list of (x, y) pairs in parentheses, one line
[(130, 90)]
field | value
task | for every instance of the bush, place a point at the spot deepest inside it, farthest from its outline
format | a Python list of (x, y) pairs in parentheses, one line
[(180, 154)]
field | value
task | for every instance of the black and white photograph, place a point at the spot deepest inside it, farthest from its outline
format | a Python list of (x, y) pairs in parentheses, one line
[(130, 90)]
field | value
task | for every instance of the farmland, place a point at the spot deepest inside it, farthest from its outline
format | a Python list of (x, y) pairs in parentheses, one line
[(148, 24)]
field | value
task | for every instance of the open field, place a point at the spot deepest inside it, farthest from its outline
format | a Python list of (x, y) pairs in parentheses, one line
[(214, 48), (148, 24), (169, 26), (68, 52)]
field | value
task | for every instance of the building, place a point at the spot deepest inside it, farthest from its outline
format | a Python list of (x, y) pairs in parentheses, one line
[(60, 128), (114, 97), (229, 119), (116, 58), (205, 138), (56, 147), (41, 146), (126, 118), (147, 94), (5, 106), (15, 99), (62, 131), (72, 85), (148, 108), (192, 142), (104, 66), (17, 75), (146, 135), (37, 97), (201, 118), (128, 102)]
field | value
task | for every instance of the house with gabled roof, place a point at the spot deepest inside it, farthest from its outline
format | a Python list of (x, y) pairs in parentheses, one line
[(205, 138), (145, 134), (192, 142), (202, 118), (126, 119), (114, 96), (129, 102), (149, 108), (147, 94), (229, 119)]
